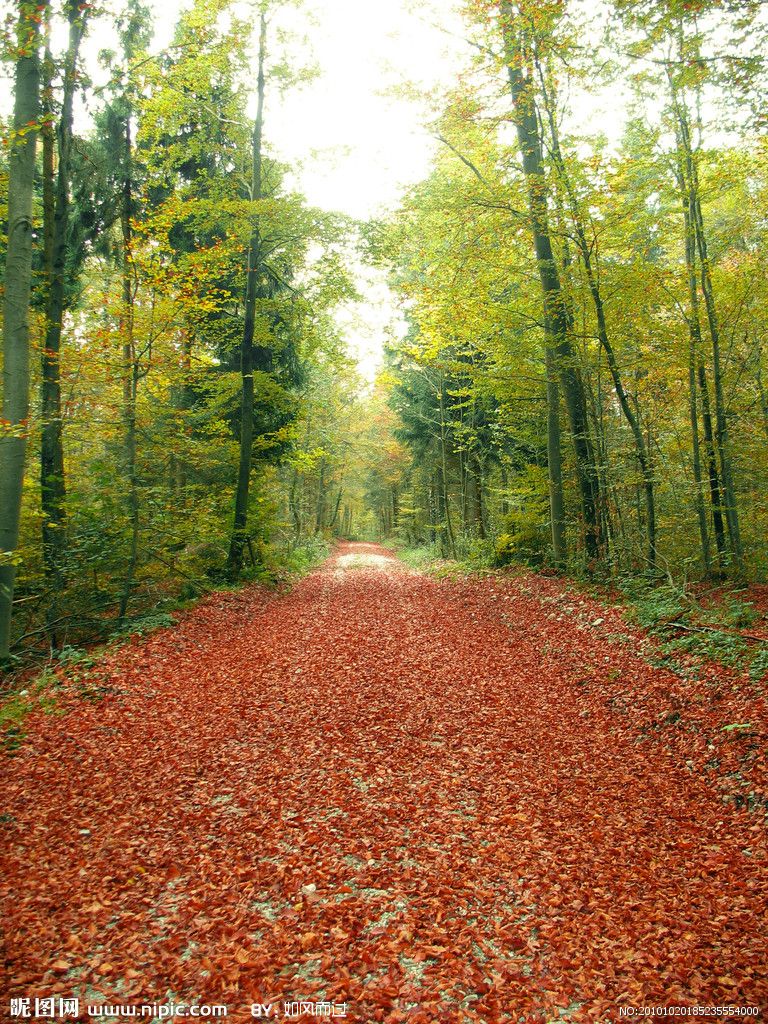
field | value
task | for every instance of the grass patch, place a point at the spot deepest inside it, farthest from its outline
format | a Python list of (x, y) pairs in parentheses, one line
[(475, 558)]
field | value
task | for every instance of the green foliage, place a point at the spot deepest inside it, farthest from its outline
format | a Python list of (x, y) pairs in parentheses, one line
[(653, 606), (477, 552), (725, 648), (142, 625), (74, 658), (424, 558), (170, 144), (527, 546), (40, 694), (476, 559), (525, 527), (447, 455), (758, 668), (467, 382), (300, 560), (735, 613)]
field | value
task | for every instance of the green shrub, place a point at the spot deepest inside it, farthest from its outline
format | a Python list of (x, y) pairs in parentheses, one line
[(528, 545), (658, 604)]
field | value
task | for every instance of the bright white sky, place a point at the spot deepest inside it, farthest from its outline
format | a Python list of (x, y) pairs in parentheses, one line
[(358, 145), (355, 145)]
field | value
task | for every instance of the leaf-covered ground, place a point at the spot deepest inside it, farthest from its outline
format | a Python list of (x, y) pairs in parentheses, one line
[(433, 800)]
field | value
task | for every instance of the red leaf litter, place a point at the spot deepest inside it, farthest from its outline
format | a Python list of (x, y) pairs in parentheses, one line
[(413, 800)]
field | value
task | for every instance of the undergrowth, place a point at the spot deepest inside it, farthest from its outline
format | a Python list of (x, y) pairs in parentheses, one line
[(474, 558), (298, 561), (685, 627)]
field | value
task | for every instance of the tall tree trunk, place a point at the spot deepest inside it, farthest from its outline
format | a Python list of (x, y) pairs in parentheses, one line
[(434, 508), (762, 393), (555, 463), (336, 508), (701, 516), (695, 230), (721, 417), (697, 360), (641, 450), (504, 485), (18, 279), (712, 471), (254, 274), (556, 314), (596, 413), (48, 135), (694, 348), (479, 500), (130, 371), (442, 533), (294, 504), (464, 482), (296, 493), (182, 400), (52, 484)]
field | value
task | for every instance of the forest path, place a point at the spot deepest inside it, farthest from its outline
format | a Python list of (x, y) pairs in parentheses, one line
[(430, 800)]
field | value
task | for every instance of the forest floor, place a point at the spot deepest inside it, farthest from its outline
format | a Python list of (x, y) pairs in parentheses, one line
[(394, 797)]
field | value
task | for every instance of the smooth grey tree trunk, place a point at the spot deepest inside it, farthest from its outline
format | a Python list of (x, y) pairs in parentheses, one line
[(696, 348), (555, 463), (130, 371), (444, 474)]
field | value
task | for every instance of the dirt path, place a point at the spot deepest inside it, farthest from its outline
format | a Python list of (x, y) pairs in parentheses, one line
[(431, 801)]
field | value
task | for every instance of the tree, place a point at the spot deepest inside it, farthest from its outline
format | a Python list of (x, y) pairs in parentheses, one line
[(256, 286), (18, 276), (675, 32), (52, 479), (519, 34), (134, 36)]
